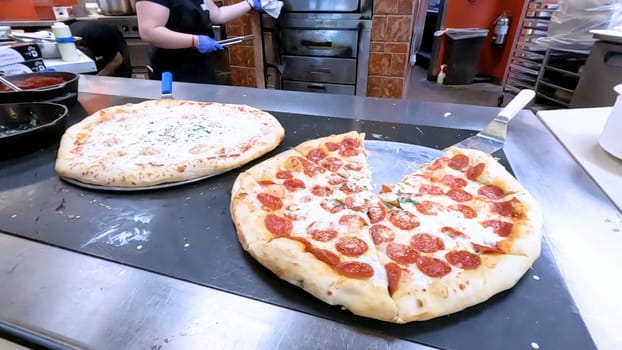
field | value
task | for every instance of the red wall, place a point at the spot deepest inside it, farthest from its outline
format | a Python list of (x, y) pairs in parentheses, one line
[(482, 14)]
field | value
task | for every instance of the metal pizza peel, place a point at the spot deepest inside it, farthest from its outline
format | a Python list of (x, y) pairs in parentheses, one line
[(492, 138)]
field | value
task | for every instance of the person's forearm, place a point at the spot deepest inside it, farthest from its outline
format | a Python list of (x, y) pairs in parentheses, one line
[(167, 39), (220, 15), (114, 63)]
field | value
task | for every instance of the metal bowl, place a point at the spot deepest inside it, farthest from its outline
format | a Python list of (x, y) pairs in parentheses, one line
[(25, 127), (65, 93)]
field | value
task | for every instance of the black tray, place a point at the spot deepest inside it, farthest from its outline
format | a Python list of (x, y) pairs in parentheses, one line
[(186, 233)]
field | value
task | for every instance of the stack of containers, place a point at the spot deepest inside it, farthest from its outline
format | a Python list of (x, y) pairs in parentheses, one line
[(20, 58)]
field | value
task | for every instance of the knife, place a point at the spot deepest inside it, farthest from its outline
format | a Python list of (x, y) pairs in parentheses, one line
[(492, 138)]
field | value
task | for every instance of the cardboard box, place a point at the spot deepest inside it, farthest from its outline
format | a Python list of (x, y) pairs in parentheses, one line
[(17, 53), (29, 66)]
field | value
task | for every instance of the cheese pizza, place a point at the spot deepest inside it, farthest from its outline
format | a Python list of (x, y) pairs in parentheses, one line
[(447, 236), (164, 141)]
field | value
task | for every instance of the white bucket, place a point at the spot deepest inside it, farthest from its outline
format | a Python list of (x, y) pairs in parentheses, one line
[(611, 137)]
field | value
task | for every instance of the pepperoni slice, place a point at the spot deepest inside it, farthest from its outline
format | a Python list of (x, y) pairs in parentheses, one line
[(432, 267), (331, 163), (284, 174), (323, 235), (316, 154), (354, 166), (491, 192), (294, 185), (351, 246), (332, 205), (506, 208), (355, 269), (329, 258), (376, 213), (335, 179), (459, 195), (321, 191), (430, 189), (427, 243), (349, 152), (458, 162), (270, 202), (486, 249), (463, 259), (351, 142), (453, 233), (403, 219), (332, 146), (501, 228), (429, 208), (467, 212), (320, 232), (357, 203), (394, 274), (352, 220), (453, 181), (278, 226), (381, 233), (402, 254), (437, 164), (265, 182), (309, 168), (473, 172)]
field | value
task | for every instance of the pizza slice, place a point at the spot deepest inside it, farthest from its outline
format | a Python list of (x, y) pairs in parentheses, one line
[(300, 221), (479, 203), (343, 154)]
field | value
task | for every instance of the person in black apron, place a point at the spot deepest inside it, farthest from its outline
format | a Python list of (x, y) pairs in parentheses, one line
[(105, 45), (181, 35)]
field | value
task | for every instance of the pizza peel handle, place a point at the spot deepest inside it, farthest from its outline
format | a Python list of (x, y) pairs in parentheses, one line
[(492, 138), (167, 85)]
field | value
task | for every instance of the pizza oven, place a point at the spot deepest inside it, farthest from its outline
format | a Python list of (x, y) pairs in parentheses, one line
[(319, 46)]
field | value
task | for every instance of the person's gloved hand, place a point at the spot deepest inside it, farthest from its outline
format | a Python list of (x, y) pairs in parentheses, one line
[(271, 7), (257, 5), (207, 44)]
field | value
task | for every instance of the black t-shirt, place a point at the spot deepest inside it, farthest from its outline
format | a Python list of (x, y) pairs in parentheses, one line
[(101, 42), (185, 16)]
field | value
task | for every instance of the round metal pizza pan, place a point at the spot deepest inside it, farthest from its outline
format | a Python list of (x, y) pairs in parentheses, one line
[(389, 161), (133, 189)]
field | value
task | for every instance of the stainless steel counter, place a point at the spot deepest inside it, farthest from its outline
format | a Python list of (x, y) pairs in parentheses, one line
[(95, 303)]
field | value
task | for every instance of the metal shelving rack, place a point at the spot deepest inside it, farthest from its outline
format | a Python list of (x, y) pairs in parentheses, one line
[(552, 73)]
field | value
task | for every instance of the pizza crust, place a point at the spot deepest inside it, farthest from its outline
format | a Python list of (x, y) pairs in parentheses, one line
[(161, 141), (288, 260), (417, 301)]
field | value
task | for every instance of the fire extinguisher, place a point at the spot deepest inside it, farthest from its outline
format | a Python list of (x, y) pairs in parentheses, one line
[(500, 33)]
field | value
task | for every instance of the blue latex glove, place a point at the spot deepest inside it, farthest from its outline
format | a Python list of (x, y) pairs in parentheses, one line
[(257, 5), (207, 44)]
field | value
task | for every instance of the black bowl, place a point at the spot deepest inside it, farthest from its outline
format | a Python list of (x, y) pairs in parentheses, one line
[(65, 93), (25, 127)]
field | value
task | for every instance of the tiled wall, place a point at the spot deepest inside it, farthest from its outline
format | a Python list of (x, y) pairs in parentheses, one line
[(246, 67), (388, 61), (390, 44)]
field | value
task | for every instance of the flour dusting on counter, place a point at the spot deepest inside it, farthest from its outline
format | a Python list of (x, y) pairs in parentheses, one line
[(124, 229)]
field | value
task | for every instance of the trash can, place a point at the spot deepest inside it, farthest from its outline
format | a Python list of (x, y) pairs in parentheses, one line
[(462, 51)]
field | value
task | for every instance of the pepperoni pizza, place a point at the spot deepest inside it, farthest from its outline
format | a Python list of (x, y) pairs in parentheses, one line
[(447, 236)]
